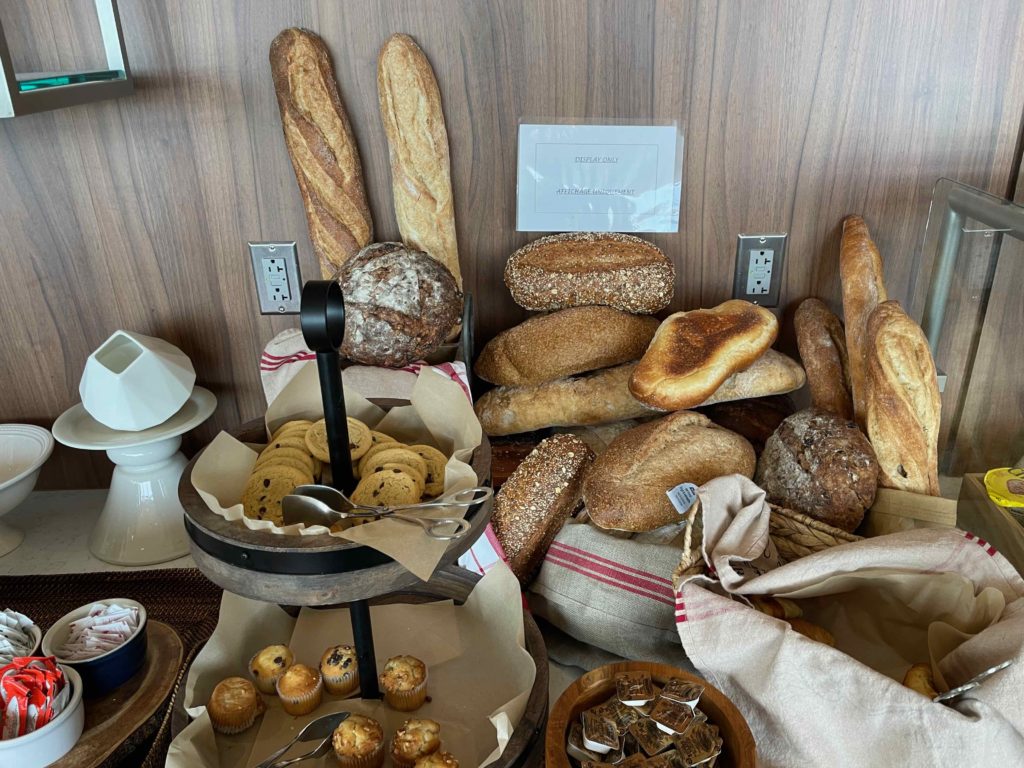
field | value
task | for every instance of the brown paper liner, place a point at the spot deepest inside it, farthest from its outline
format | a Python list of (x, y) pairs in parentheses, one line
[(407, 701), (373, 760), (304, 704)]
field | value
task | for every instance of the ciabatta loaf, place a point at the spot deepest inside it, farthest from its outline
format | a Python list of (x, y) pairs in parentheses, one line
[(322, 148), (693, 353), (822, 342), (410, 107), (581, 268), (903, 406), (559, 344), (860, 273)]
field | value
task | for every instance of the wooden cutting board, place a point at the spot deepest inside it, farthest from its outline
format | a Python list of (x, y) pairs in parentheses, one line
[(111, 719)]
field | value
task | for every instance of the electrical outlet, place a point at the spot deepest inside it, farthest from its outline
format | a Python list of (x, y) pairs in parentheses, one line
[(758, 276), (278, 282)]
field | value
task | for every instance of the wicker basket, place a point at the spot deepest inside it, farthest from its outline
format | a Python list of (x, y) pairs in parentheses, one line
[(795, 535)]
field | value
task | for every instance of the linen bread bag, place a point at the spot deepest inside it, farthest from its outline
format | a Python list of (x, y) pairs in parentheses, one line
[(941, 598)]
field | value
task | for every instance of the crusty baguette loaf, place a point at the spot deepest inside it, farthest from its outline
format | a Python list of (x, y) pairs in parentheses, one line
[(773, 373), (822, 343), (693, 353), (421, 183), (903, 406), (581, 268), (625, 488), (322, 148), (860, 274), (564, 343), (537, 499), (599, 398)]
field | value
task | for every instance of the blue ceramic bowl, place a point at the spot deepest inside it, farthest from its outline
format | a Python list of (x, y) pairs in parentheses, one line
[(100, 674)]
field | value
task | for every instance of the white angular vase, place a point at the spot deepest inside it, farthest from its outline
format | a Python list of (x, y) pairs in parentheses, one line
[(134, 382)]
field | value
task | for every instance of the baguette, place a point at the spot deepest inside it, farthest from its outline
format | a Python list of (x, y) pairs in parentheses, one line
[(693, 353), (822, 343), (564, 343), (903, 405), (599, 398), (860, 272), (581, 268), (322, 148), (410, 107)]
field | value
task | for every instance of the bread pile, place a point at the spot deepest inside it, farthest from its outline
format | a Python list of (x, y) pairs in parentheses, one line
[(382, 330)]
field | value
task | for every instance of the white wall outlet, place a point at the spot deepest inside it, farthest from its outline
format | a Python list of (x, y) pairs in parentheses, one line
[(758, 276), (278, 282)]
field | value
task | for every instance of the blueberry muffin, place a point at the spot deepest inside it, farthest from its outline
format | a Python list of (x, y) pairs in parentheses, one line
[(339, 669), (268, 665)]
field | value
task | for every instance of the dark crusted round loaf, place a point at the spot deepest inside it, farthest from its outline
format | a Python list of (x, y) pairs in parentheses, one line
[(399, 305), (582, 268), (821, 465)]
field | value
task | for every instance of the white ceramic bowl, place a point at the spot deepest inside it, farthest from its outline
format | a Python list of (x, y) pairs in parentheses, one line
[(23, 450), (55, 739), (134, 382)]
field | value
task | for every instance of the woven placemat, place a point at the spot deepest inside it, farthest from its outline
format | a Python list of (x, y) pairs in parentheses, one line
[(182, 598)]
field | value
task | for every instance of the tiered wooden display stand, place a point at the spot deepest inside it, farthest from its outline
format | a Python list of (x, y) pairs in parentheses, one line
[(324, 570)]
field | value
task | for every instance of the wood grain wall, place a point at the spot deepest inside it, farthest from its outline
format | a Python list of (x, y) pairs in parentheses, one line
[(135, 213)]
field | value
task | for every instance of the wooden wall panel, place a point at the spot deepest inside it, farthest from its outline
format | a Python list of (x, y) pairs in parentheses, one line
[(134, 213)]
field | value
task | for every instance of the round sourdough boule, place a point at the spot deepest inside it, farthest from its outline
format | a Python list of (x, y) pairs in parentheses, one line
[(399, 305), (821, 465), (580, 268)]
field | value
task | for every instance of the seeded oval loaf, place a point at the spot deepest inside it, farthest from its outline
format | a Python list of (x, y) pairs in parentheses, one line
[(581, 268), (625, 488), (564, 343), (537, 499), (821, 465), (399, 305)]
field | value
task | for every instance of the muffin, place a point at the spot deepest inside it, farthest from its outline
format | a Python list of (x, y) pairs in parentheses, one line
[(268, 665), (339, 669), (234, 705), (438, 760), (415, 739), (359, 742), (404, 682), (300, 689)]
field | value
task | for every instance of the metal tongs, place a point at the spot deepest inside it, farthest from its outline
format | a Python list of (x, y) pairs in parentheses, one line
[(324, 505)]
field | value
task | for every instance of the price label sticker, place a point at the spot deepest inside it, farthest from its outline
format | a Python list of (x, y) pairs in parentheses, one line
[(682, 496)]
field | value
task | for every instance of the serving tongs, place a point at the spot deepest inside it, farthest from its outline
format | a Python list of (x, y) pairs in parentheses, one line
[(324, 505)]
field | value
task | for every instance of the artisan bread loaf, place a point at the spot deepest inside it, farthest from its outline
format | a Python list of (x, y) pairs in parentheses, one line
[(625, 487), (581, 268), (821, 465), (537, 499), (560, 344), (322, 148), (598, 398), (693, 353), (773, 373), (399, 305), (860, 274), (821, 340), (903, 406), (410, 107)]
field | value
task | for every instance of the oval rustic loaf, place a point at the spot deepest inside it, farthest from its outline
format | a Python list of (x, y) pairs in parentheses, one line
[(399, 305), (560, 344), (581, 268)]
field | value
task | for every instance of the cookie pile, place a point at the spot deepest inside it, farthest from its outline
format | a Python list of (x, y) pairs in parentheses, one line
[(389, 472)]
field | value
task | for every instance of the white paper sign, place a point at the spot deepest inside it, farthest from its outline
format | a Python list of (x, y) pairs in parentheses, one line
[(599, 178)]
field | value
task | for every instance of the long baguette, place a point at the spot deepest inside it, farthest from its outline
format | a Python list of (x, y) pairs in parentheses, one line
[(410, 107), (860, 270), (322, 148)]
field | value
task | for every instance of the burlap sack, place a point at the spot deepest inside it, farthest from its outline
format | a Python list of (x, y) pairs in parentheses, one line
[(933, 595), (612, 592)]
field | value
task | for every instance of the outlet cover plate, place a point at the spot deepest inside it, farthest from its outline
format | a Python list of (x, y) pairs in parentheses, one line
[(759, 262), (275, 268)]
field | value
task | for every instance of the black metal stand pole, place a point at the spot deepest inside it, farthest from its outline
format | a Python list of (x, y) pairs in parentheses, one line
[(322, 319)]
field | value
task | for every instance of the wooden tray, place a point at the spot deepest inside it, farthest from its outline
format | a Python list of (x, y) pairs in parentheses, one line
[(111, 719), (597, 685)]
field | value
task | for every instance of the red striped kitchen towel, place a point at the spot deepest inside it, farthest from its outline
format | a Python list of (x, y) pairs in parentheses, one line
[(611, 591)]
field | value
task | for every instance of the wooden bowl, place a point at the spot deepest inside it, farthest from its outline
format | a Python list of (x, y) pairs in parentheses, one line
[(597, 685)]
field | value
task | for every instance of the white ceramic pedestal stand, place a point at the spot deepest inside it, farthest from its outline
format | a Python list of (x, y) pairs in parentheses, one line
[(142, 521)]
